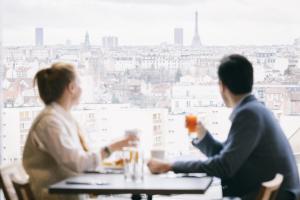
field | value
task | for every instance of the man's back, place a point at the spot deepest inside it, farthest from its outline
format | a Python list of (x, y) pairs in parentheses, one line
[(272, 154), (255, 150)]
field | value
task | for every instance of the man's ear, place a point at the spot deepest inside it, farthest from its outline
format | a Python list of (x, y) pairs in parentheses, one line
[(222, 87)]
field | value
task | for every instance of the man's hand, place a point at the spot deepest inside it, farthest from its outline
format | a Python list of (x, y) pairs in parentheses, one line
[(158, 166), (201, 130)]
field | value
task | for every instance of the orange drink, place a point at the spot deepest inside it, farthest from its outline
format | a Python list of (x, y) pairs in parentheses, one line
[(133, 155), (136, 156), (191, 123)]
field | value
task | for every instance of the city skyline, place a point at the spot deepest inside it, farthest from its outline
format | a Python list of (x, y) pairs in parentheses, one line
[(99, 41), (135, 22), (153, 86)]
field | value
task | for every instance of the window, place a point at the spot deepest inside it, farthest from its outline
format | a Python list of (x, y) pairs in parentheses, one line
[(137, 72), (91, 116), (177, 104)]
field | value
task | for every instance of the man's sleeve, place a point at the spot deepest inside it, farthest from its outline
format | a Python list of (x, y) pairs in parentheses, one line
[(244, 135), (208, 145)]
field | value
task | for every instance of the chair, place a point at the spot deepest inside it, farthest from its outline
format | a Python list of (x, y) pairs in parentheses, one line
[(269, 189), (8, 173), (23, 190)]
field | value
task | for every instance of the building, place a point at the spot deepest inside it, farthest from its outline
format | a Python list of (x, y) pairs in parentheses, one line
[(87, 42), (196, 39), (1, 89), (282, 99), (297, 42), (178, 36), (294, 141), (292, 105), (39, 37), (15, 127), (177, 142), (187, 98), (105, 122), (110, 42), (102, 124), (163, 82)]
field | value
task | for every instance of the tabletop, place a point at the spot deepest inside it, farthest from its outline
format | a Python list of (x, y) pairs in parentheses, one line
[(102, 184)]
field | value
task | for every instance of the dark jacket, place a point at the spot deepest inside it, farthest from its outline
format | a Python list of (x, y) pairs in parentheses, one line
[(255, 150)]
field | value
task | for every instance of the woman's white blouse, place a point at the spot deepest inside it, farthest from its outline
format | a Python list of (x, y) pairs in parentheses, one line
[(56, 132)]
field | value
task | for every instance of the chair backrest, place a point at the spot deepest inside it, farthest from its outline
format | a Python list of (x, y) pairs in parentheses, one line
[(270, 188), (23, 190), (7, 174)]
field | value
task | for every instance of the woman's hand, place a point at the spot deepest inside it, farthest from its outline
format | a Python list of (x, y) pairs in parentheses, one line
[(128, 140)]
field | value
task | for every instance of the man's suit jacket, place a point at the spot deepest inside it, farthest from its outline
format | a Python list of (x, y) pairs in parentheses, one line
[(255, 150)]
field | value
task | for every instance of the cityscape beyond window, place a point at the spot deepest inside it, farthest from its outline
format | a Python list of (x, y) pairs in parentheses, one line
[(146, 64)]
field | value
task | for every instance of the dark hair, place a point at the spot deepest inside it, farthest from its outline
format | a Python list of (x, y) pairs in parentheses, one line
[(52, 81), (236, 72)]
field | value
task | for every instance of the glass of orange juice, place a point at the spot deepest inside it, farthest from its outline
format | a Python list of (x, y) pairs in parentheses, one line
[(191, 125)]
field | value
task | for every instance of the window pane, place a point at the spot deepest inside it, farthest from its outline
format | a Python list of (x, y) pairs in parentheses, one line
[(146, 65)]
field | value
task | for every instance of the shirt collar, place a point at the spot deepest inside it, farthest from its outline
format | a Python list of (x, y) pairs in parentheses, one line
[(234, 111), (61, 110)]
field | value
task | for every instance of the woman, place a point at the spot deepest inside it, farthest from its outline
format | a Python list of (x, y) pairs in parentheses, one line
[(55, 148)]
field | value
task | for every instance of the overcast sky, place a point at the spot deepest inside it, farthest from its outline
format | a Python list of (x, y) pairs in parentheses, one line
[(139, 22)]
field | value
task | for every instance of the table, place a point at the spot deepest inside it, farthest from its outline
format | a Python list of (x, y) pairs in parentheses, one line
[(109, 184)]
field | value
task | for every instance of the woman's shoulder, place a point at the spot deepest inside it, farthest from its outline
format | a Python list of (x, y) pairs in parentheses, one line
[(47, 115)]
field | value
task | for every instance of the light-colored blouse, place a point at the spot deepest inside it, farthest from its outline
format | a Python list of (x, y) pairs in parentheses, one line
[(53, 151)]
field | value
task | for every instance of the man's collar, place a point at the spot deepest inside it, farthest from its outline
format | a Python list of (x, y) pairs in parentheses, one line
[(234, 111)]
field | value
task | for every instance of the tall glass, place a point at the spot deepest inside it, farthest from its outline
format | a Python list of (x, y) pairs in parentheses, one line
[(191, 125), (133, 164)]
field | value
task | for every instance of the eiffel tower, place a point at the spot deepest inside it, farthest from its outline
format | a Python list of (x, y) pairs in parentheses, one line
[(196, 39)]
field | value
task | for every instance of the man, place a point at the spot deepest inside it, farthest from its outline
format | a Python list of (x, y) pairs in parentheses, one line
[(256, 148)]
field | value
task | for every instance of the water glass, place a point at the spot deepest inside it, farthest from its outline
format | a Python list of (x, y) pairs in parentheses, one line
[(133, 164)]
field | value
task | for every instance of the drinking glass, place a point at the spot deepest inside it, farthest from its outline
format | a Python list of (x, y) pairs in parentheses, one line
[(191, 125), (133, 164)]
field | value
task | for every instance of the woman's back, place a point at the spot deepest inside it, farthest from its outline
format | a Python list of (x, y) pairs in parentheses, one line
[(41, 166), (55, 148)]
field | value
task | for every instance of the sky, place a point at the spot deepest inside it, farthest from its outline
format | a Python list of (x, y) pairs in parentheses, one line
[(152, 22)]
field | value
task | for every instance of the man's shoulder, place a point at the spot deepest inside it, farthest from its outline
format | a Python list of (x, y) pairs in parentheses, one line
[(254, 107), (253, 110)]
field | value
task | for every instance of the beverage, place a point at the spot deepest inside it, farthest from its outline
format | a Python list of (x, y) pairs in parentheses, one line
[(134, 132), (191, 125), (133, 164), (133, 158)]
